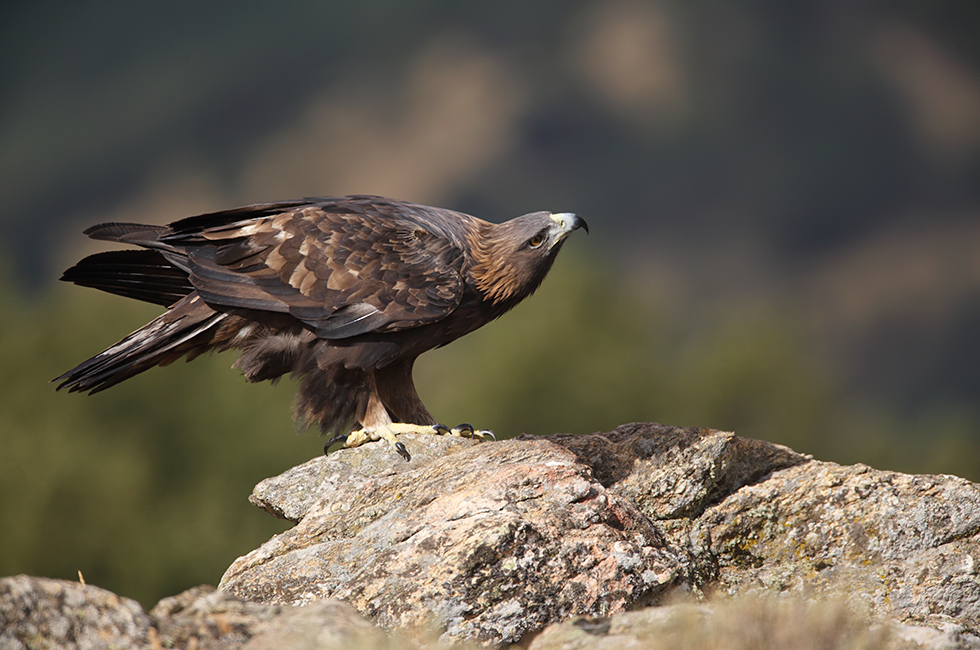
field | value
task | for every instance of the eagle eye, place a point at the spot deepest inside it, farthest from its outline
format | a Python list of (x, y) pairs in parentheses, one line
[(536, 241)]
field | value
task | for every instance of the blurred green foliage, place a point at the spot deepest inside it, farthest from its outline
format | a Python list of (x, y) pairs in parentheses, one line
[(144, 487)]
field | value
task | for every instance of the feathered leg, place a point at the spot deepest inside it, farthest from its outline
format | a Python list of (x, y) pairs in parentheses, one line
[(393, 393)]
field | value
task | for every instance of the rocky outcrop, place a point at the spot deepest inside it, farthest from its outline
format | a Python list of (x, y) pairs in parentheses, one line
[(574, 542), (45, 613), (750, 624), (494, 541), (41, 613), (905, 546)]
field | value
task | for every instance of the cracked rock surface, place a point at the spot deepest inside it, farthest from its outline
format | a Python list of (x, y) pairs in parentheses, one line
[(494, 541), (497, 540), (571, 542)]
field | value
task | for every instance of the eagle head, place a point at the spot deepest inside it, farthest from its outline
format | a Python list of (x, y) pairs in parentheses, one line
[(513, 257)]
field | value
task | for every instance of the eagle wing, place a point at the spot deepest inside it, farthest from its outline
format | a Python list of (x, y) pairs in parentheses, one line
[(342, 268)]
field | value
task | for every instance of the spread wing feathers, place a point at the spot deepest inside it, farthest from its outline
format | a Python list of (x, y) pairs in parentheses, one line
[(342, 272), (188, 328), (141, 274)]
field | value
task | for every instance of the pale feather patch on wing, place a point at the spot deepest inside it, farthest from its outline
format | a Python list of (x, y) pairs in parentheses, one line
[(351, 320), (342, 281), (275, 260), (303, 279), (238, 229)]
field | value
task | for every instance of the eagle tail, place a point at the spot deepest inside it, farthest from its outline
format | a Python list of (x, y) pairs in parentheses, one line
[(127, 233), (186, 329), (141, 274)]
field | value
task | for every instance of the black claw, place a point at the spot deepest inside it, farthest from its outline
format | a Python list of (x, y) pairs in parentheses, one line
[(400, 448), (465, 426), (488, 432), (441, 429), (332, 442)]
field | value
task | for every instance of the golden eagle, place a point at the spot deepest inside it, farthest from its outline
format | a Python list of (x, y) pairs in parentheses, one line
[(344, 292)]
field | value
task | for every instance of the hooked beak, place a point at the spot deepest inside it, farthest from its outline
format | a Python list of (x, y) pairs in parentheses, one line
[(568, 222)]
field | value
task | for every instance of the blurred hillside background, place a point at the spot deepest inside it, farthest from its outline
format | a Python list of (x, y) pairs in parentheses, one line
[(784, 201)]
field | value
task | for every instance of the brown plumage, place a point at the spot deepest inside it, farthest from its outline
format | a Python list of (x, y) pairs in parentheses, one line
[(343, 292)]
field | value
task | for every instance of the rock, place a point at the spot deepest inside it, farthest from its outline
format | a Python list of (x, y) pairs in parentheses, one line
[(207, 619), (47, 613), (748, 624), (907, 546), (491, 542), (324, 625), (757, 517), (670, 472), (42, 613), (495, 541), (290, 495), (568, 542)]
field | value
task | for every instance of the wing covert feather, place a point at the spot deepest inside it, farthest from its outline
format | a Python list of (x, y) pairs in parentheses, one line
[(342, 273)]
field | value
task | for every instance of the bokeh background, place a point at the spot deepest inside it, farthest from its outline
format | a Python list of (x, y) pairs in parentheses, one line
[(784, 201)]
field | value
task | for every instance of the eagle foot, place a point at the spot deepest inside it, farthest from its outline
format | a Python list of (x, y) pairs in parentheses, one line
[(358, 437), (465, 430)]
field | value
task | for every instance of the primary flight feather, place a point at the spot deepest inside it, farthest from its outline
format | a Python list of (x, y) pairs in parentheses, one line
[(343, 292)]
